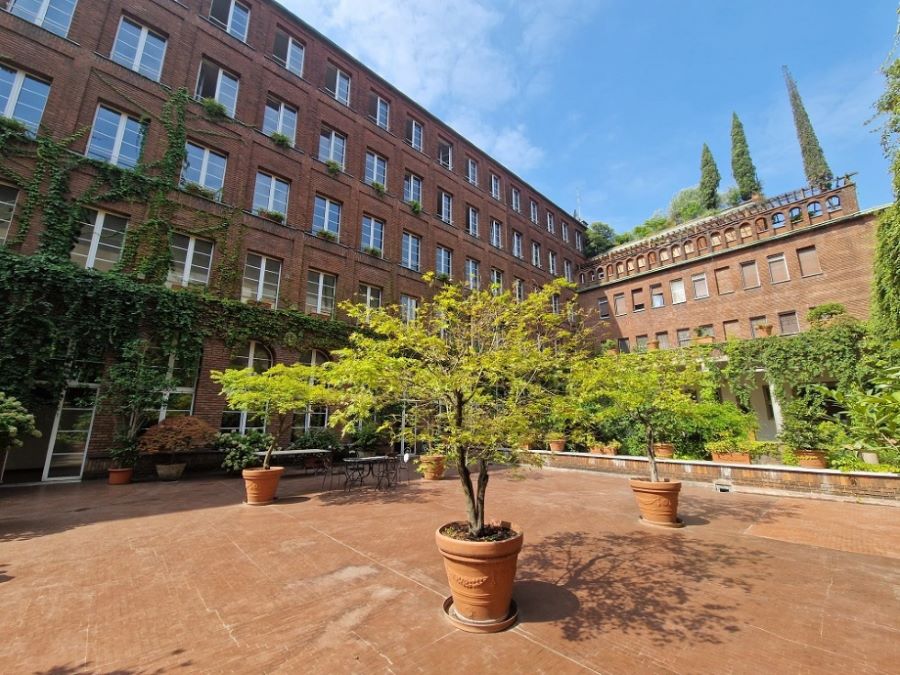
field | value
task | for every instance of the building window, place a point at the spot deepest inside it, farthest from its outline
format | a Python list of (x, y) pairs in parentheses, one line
[(619, 304), (257, 357), (746, 231), (54, 15), (445, 207), (370, 295), (376, 169), (327, 216), (22, 98), (332, 147), (412, 188), (640, 343), (204, 168), (567, 270), (715, 239), (519, 289), (657, 298), (517, 245), (337, 83), (289, 52), (536, 254), (410, 250), (473, 274), (320, 293), (178, 401), (100, 242), (778, 270), (702, 245), (445, 154), (262, 276), (379, 111), (629, 265), (115, 138), (372, 235), (663, 340), (444, 262), (701, 288), (664, 255), (496, 234), (218, 84), (495, 186), (8, 197), (408, 307), (777, 221), (767, 398), (814, 209), (551, 223), (676, 251), (271, 194), (515, 198), (788, 323), (732, 329), (833, 203), (232, 16), (688, 247), (554, 303), (472, 171), (564, 227), (280, 118), (724, 283), (809, 261), (496, 281), (603, 308), (683, 335), (624, 346), (472, 221), (676, 290), (730, 235), (579, 241), (191, 261), (796, 214), (314, 416), (534, 212), (551, 262), (749, 275), (414, 134), (139, 48), (637, 300), (620, 269), (755, 323)]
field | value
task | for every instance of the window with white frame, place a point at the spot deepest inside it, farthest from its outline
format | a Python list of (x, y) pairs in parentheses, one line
[(289, 52), (555, 303), (410, 251), (445, 206), (337, 82), (534, 211), (551, 262), (376, 169), (564, 230), (519, 289), (579, 241), (332, 147), (472, 171), (700, 286), (408, 307), (217, 83), (443, 264), (496, 233), (191, 260), (676, 289), (8, 197), (314, 416), (54, 15), (515, 198), (178, 401), (203, 167), (370, 296), (657, 298), (280, 118), (320, 289), (749, 275), (271, 194), (603, 308), (139, 48), (327, 216), (472, 221), (101, 240), (778, 269), (496, 281), (568, 272), (495, 186), (473, 274), (262, 277), (22, 97), (414, 134), (536, 254), (372, 235), (445, 154), (788, 324), (231, 15), (115, 138), (412, 188), (379, 110), (517, 246), (255, 356), (551, 223)]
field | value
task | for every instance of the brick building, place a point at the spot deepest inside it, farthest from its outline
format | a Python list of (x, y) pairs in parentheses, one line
[(343, 186)]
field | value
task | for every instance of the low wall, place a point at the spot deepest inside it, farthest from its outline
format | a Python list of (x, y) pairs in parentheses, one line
[(778, 477)]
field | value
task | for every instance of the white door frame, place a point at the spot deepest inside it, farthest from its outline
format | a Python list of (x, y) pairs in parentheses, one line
[(52, 441)]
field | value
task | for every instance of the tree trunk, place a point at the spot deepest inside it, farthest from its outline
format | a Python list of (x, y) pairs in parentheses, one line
[(654, 473), (465, 477), (483, 478)]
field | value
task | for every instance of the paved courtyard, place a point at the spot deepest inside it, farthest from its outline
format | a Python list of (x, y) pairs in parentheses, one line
[(160, 578)]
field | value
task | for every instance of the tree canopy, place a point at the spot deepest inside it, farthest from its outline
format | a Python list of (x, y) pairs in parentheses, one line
[(600, 238), (742, 167), (814, 164), (709, 180)]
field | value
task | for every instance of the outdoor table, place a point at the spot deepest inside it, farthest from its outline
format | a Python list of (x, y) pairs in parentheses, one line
[(358, 468), (305, 452)]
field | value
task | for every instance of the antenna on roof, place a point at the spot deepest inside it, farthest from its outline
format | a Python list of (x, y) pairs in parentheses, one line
[(577, 213)]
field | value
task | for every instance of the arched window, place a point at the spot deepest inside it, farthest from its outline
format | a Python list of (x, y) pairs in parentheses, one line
[(651, 258), (777, 221), (762, 225), (833, 203), (609, 271), (676, 251), (629, 265), (315, 416), (702, 244), (664, 255), (730, 235), (620, 269), (796, 214), (746, 231), (641, 262), (688, 247), (814, 209), (253, 355), (716, 239), (582, 277), (600, 274)]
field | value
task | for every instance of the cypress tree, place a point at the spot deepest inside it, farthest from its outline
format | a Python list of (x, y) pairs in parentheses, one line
[(814, 164), (741, 165), (709, 179)]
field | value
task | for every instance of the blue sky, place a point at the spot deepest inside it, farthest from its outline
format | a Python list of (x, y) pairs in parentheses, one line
[(611, 100)]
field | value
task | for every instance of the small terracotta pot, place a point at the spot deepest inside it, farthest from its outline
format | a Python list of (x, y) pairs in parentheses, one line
[(170, 471), (731, 457), (261, 484), (120, 476), (481, 575), (557, 446), (704, 340), (664, 450), (602, 450), (431, 467), (652, 345), (657, 501), (765, 330), (811, 459)]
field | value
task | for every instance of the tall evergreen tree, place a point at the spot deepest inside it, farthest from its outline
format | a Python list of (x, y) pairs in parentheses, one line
[(814, 164), (709, 179), (741, 165)]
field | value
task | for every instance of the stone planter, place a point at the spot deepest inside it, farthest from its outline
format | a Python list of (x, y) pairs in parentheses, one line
[(731, 457), (664, 450), (170, 471), (869, 457), (657, 501)]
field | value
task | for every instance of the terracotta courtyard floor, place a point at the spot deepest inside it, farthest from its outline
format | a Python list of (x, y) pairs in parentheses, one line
[(182, 578)]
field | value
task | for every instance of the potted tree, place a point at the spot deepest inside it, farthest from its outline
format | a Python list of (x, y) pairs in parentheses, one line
[(241, 450), (172, 437), (556, 440), (16, 423), (484, 368), (729, 450), (802, 434)]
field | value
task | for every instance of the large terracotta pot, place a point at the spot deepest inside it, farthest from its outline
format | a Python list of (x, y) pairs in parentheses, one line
[(731, 457), (657, 501), (120, 476), (431, 467), (170, 471), (664, 450), (558, 445), (811, 459), (481, 575), (261, 485)]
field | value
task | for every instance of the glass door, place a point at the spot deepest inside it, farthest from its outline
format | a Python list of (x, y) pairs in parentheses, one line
[(67, 448)]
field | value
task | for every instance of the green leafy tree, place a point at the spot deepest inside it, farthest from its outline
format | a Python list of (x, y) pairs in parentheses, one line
[(742, 167), (814, 164), (709, 179), (731, 196), (480, 369), (600, 238), (16, 423), (687, 205)]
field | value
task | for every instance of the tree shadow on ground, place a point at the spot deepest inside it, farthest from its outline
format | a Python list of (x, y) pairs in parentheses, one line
[(3, 575), (399, 494), (696, 509), (87, 668), (663, 587)]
